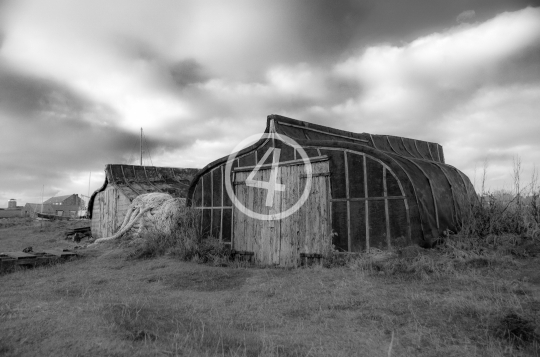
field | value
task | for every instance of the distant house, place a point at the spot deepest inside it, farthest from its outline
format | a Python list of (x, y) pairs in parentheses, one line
[(12, 211), (123, 183), (65, 206), (31, 209)]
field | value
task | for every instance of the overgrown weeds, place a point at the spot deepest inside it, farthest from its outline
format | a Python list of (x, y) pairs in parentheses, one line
[(501, 213), (15, 221), (506, 212), (454, 256), (184, 241)]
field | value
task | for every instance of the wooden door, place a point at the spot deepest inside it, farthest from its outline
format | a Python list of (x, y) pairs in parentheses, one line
[(280, 241), (251, 234)]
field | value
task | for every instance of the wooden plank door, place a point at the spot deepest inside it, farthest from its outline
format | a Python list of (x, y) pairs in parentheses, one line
[(280, 242), (308, 229), (251, 234)]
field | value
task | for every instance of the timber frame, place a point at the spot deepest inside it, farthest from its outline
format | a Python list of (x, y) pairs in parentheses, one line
[(383, 191)]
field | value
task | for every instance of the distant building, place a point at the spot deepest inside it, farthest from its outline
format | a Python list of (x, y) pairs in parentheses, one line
[(12, 204), (66, 206), (31, 209), (12, 211)]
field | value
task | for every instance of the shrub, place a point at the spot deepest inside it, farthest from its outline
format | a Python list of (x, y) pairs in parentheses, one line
[(185, 241), (501, 213)]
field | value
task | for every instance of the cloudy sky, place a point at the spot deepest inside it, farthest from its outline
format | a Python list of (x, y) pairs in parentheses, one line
[(78, 79)]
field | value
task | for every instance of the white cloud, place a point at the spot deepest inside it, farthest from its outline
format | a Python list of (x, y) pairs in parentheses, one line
[(447, 87), (451, 88)]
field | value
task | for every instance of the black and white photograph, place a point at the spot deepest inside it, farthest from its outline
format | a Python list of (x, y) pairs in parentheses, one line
[(295, 178)]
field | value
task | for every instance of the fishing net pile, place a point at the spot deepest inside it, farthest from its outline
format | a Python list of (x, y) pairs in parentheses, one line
[(158, 212)]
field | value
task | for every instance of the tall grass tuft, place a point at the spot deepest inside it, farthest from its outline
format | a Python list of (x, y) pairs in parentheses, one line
[(501, 213), (506, 212), (15, 221), (184, 241)]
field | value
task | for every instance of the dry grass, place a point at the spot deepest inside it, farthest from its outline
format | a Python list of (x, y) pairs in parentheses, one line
[(17, 234), (453, 301)]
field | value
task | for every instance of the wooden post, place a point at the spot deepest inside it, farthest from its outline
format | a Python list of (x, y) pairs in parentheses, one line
[(349, 238), (386, 213), (366, 204)]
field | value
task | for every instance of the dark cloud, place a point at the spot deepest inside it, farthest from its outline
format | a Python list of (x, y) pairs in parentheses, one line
[(188, 72), (327, 27), (523, 67), (181, 73), (49, 131), (26, 97)]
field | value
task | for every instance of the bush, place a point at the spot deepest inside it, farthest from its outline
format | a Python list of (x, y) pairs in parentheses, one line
[(185, 241), (503, 213)]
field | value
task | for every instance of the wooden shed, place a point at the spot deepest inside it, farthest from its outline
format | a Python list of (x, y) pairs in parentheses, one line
[(108, 205), (367, 191)]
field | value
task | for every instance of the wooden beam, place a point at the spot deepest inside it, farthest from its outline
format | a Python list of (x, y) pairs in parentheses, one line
[(454, 200), (284, 163), (125, 180), (368, 199), (409, 230), (430, 186), (315, 175), (324, 132), (406, 149), (373, 142), (202, 202), (366, 204), (430, 153), (349, 238), (387, 215), (391, 147), (222, 194)]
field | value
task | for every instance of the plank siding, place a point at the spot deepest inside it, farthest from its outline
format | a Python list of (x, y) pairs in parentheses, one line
[(314, 215), (290, 226), (109, 210), (383, 192), (279, 242)]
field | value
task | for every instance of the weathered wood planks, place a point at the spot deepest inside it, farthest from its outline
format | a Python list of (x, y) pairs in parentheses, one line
[(109, 210), (280, 241)]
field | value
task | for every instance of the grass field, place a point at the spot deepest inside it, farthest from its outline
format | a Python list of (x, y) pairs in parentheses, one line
[(423, 303)]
